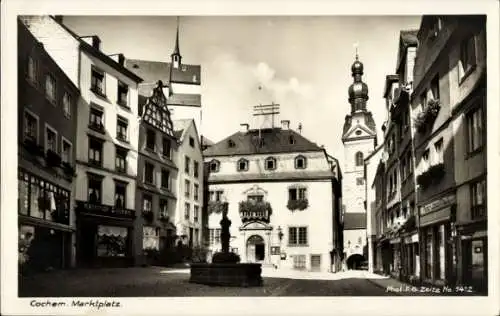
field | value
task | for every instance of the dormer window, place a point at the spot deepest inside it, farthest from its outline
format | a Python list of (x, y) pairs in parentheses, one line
[(242, 165), (358, 132), (300, 162), (270, 163), (291, 140), (231, 144), (214, 166)]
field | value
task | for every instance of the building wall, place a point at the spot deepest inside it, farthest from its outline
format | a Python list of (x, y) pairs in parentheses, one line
[(354, 241), (353, 195), (195, 154), (317, 218)]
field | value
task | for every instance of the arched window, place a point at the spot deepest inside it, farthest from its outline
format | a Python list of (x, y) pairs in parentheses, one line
[(242, 165), (300, 162), (359, 158), (270, 163)]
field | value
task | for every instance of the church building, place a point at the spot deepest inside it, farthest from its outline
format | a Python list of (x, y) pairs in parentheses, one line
[(359, 138)]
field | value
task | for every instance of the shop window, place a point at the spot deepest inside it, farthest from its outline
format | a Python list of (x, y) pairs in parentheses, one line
[(112, 241), (151, 238)]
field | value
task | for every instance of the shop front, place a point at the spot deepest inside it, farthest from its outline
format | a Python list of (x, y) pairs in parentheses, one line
[(411, 258), (436, 240), (473, 245), (104, 236)]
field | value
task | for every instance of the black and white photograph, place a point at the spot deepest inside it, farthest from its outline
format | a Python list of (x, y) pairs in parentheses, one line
[(170, 154)]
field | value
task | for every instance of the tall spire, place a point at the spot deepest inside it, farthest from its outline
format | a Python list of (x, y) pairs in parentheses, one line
[(176, 55)]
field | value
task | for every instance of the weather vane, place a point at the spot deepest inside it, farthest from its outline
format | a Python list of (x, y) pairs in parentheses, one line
[(356, 45)]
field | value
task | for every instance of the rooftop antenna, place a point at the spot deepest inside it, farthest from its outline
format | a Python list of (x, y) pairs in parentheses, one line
[(265, 110)]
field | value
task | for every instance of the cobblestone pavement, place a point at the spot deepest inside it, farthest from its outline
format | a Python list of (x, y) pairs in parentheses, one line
[(158, 281)]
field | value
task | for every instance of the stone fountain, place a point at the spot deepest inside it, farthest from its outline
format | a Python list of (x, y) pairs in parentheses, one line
[(225, 269)]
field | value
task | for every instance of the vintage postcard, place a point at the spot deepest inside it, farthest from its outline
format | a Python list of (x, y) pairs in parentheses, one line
[(219, 158)]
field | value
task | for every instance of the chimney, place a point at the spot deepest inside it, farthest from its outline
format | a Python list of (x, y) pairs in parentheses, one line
[(285, 124), (244, 128), (121, 59), (96, 42)]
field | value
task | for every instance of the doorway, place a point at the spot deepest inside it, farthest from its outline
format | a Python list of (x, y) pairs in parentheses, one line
[(256, 249)]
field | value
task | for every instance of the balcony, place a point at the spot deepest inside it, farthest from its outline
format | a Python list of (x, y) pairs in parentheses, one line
[(431, 176), (426, 118), (103, 210), (255, 211)]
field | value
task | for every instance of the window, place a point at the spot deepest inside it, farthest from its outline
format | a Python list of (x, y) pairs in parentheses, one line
[(165, 179), (187, 188), (163, 208), (94, 190), (95, 119), (410, 163), (66, 151), (359, 158), (425, 159), (467, 56), (196, 167), (242, 165), (97, 82), (30, 127), (187, 210), (231, 144), (360, 181), (475, 133), (66, 104), (195, 193), (166, 148), (297, 236), (120, 193), (150, 238), (299, 262), (122, 98), (295, 194), (214, 236), (147, 203), (270, 163), (438, 148), (478, 200), (149, 170), (191, 142), (150, 140), (121, 160), (291, 140), (403, 168), (300, 162), (196, 213), (187, 162), (435, 87), (50, 139), (216, 196), (121, 128), (423, 100), (214, 166), (95, 151), (31, 70), (50, 87)]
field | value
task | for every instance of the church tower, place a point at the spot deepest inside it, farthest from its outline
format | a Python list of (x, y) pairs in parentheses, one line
[(359, 138)]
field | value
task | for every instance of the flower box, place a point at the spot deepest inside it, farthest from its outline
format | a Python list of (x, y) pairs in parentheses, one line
[(32, 147), (300, 204), (427, 116), (68, 169), (216, 207), (164, 218), (431, 176), (53, 159), (254, 210)]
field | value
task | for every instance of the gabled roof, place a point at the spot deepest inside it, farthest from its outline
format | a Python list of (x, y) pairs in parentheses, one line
[(354, 221), (98, 54), (273, 140), (407, 38), (152, 71), (156, 113)]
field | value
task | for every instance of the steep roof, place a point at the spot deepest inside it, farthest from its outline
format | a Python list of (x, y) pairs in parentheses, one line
[(273, 140), (354, 221), (215, 178), (152, 71), (407, 38)]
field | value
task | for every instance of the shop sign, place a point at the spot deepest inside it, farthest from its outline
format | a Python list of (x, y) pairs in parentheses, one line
[(438, 204)]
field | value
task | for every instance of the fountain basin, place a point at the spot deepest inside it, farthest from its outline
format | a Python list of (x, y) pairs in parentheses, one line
[(227, 274)]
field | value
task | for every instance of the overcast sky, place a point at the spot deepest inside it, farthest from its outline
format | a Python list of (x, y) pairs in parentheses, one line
[(303, 63)]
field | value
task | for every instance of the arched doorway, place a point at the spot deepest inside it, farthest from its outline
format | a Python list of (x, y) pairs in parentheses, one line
[(354, 261), (256, 248)]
